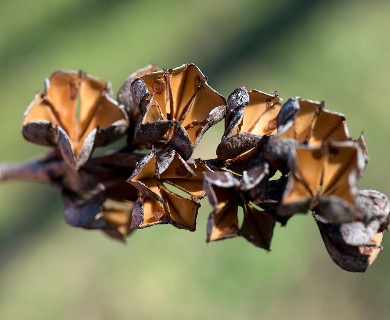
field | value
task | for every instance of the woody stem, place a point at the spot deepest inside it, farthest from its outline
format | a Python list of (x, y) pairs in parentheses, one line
[(35, 170)]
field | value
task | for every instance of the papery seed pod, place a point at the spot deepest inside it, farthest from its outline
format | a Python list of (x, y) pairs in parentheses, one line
[(75, 113), (306, 121), (296, 118), (251, 117), (226, 193), (154, 177), (351, 258), (302, 121), (324, 177), (178, 107), (354, 246)]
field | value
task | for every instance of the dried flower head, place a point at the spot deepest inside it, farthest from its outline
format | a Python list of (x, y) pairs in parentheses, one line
[(306, 121), (75, 113), (226, 194), (251, 116), (324, 177), (178, 106), (156, 177)]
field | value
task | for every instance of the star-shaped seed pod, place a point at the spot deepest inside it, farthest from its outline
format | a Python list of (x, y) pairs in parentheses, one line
[(354, 246), (302, 121), (158, 179), (251, 116), (178, 106), (226, 194), (324, 177), (307, 121), (75, 113)]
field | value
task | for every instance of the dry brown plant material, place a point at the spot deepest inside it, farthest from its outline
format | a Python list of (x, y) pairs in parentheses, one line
[(178, 106), (273, 161), (75, 113)]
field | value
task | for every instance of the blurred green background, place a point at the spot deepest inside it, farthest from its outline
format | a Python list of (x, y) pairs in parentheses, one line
[(337, 51)]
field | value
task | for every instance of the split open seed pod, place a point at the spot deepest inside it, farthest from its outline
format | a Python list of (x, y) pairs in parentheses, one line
[(178, 106), (355, 246), (226, 194), (307, 121), (75, 113), (251, 115), (324, 177), (158, 179)]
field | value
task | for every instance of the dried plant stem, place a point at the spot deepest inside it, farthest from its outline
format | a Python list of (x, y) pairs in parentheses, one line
[(37, 171)]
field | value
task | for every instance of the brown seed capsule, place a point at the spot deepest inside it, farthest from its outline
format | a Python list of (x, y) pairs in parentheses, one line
[(251, 116), (324, 177), (154, 177), (226, 193), (354, 246), (75, 113), (307, 121), (178, 106)]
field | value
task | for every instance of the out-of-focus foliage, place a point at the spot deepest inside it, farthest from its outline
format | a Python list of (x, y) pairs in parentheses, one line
[(335, 50)]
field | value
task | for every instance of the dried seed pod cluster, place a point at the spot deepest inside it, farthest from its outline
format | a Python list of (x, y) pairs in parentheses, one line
[(274, 160)]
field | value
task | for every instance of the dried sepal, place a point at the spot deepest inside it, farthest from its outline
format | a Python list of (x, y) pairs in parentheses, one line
[(257, 226), (328, 126), (324, 177), (83, 211), (220, 187), (147, 212), (363, 147), (178, 106), (124, 95), (125, 98), (182, 211), (143, 177), (301, 121), (76, 109), (224, 224)]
